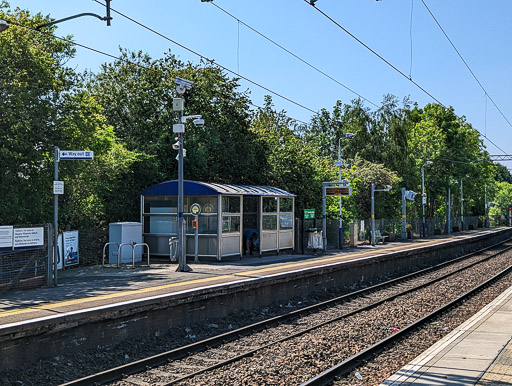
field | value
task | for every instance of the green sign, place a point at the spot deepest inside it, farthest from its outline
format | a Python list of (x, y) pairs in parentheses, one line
[(309, 214)]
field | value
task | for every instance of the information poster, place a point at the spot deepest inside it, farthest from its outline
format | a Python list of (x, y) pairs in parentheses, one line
[(28, 237), (6, 236), (70, 240)]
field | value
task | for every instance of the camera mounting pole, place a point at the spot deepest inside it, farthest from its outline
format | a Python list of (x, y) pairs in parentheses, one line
[(179, 128)]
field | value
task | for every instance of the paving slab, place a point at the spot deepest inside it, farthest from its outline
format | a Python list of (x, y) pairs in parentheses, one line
[(478, 352)]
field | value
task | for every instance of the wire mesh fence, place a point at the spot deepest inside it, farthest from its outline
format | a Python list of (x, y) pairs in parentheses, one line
[(26, 267), (392, 228)]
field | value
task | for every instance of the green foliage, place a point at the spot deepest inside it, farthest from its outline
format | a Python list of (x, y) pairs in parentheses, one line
[(501, 198), (289, 161), (44, 106), (385, 202), (124, 114)]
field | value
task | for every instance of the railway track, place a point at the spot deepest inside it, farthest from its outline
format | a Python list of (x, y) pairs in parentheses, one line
[(202, 362)]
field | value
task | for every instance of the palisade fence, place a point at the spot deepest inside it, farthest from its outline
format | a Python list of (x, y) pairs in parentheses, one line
[(30, 267), (393, 228)]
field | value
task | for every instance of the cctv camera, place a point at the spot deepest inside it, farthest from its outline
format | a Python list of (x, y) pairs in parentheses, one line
[(410, 195), (183, 85), (198, 122), (176, 146)]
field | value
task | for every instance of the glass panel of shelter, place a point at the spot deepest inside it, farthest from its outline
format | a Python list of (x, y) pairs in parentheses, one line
[(160, 214), (207, 225), (230, 227)]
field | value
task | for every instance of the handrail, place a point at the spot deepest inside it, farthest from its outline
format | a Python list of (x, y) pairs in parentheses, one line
[(119, 253), (142, 245), (104, 250)]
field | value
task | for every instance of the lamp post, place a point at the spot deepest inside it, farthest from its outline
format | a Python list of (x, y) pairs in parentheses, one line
[(486, 208), (423, 196), (107, 18), (449, 205), (387, 189), (179, 129), (339, 164), (462, 204)]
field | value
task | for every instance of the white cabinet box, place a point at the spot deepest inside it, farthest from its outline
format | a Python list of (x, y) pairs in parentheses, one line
[(126, 233)]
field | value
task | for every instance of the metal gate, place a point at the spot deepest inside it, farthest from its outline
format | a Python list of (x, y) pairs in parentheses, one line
[(24, 267)]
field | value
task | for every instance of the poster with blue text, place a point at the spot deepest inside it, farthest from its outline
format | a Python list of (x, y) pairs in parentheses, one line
[(70, 239)]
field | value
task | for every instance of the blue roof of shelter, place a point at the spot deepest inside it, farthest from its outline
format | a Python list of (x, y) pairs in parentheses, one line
[(196, 188)]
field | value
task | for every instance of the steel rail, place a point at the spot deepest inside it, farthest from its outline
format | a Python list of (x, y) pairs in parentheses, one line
[(122, 371), (327, 322), (343, 368)]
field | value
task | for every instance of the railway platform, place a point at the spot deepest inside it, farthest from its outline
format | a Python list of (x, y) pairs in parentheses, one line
[(97, 286), (97, 305), (478, 352)]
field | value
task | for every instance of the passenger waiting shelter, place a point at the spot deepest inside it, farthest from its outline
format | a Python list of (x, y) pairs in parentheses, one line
[(227, 210)]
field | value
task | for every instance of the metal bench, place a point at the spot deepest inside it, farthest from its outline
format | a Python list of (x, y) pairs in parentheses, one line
[(380, 237)]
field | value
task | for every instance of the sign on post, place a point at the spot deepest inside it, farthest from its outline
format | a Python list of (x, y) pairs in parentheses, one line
[(75, 154), (58, 187), (309, 214), (195, 209), (341, 188)]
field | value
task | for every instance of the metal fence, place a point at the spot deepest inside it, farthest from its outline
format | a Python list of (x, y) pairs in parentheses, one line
[(393, 228), (25, 268)]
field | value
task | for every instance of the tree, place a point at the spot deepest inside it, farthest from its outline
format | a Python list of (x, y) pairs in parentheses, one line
[(137, 92), (44, 106), (503, 174), (32, 87), (290, 162), (501, 198)]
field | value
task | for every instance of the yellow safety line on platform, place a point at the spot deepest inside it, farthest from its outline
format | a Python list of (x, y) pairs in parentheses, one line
[(205, 280)]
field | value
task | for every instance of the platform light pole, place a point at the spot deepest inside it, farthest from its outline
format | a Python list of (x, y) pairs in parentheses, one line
[(486, 208), (387, 189), (179, 129), (462, 204), (448, 205), (340, 164), (423, 196)]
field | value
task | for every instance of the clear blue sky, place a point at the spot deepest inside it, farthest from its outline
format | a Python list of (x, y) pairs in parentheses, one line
[(481, 31)]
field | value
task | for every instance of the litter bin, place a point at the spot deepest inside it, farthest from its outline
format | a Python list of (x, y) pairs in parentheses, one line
[(315, 238)]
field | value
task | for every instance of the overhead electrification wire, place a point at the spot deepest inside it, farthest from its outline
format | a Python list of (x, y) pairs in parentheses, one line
[(211, 60), (465, 63), (294, 55), (388, 63), (118, 58), (410, 36), (372, 51)]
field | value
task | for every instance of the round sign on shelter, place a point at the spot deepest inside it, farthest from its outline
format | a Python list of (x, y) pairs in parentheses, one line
[(195, 209)]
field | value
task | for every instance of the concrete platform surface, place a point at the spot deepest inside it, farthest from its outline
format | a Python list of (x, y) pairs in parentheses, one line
[(96, 286), (478, 352)]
